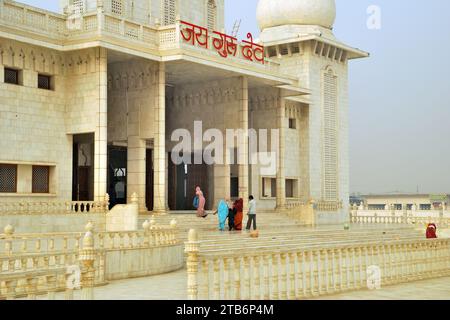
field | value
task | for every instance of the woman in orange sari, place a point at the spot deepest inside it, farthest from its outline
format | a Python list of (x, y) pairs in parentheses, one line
[(239, 205)]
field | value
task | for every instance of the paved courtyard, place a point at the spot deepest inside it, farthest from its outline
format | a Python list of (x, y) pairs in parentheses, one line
[(172, 286)]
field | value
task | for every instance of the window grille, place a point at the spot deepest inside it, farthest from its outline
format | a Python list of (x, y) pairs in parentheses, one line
[(117, 7), (169, 12), (8, 178), (78, 6), (330, 138), (212, 15), (11, 76), (44, 82), (41, 179)]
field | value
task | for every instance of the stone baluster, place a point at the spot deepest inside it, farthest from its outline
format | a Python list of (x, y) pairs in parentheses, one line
[(31, 287), (361, 269), (9, 232), (274, 275), (192, 250), (251, 278), (87, 260), (245, 289), (386, 270), (258, 278), (173, 227), (293, 280), (146, 227), (51, 286), (304, 270), (23, 264), (204, 292), (326, 268), (333, 271), (266, 280), (314, 272), (24, 246), (238, 278), (352, 251), (216, 278), (340, 270), (283, 278), (69, 286), (227, 278), (421, 258), (10, 289)]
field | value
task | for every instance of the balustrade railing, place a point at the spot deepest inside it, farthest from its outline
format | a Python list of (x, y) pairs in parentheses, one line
[(54, 207), (27, 260), (325, 206), (298, 272), (439, 217), (151, 236)]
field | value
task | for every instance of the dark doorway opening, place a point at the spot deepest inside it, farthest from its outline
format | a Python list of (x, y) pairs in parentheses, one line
[(83, 167), (117, 175), (149, 181), (183, 179)]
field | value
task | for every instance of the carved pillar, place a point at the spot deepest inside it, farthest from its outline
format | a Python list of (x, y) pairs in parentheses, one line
[(243, 143), (101, 130), (192, 249), (281, 178), (160, 155), (87, 259)]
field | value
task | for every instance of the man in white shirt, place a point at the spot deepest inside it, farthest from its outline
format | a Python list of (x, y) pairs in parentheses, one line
[(251, 213)]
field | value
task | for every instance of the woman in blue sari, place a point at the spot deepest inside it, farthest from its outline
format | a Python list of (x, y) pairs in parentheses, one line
[(222, 211)]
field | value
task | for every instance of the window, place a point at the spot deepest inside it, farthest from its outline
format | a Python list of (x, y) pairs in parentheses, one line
[(269, 187), (211, 15), (292, 124), (8, 178), (169, 12), (12, 76), (41, 179), (291, 188), (234, 187), (44, 82), (425, 207), (117, 7)]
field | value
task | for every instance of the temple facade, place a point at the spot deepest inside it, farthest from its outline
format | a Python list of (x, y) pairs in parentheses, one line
[(91, 100)]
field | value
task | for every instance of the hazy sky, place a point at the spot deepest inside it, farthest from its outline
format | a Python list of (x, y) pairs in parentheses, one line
[(399, 98)]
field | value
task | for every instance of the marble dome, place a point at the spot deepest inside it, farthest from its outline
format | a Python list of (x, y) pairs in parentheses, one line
[(274, 13)]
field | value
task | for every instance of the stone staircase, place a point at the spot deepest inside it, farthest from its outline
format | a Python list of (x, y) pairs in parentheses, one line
[(275, 228)]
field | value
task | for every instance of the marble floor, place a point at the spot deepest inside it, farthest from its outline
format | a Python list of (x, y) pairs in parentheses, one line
[(172, 286)]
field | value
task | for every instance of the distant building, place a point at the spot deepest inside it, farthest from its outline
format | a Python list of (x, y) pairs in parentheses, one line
[(399, 201)]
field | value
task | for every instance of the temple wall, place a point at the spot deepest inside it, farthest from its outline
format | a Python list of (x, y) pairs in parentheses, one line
[(37, 124)]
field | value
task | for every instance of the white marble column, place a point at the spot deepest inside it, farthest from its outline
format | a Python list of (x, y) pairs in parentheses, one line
[(281, 178), (160, 155), (222, 174), (101, 130), (136, 163), (243, 143)]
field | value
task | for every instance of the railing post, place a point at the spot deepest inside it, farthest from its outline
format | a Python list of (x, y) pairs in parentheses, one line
[(192, 250), (146, 226), (87, 259)]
